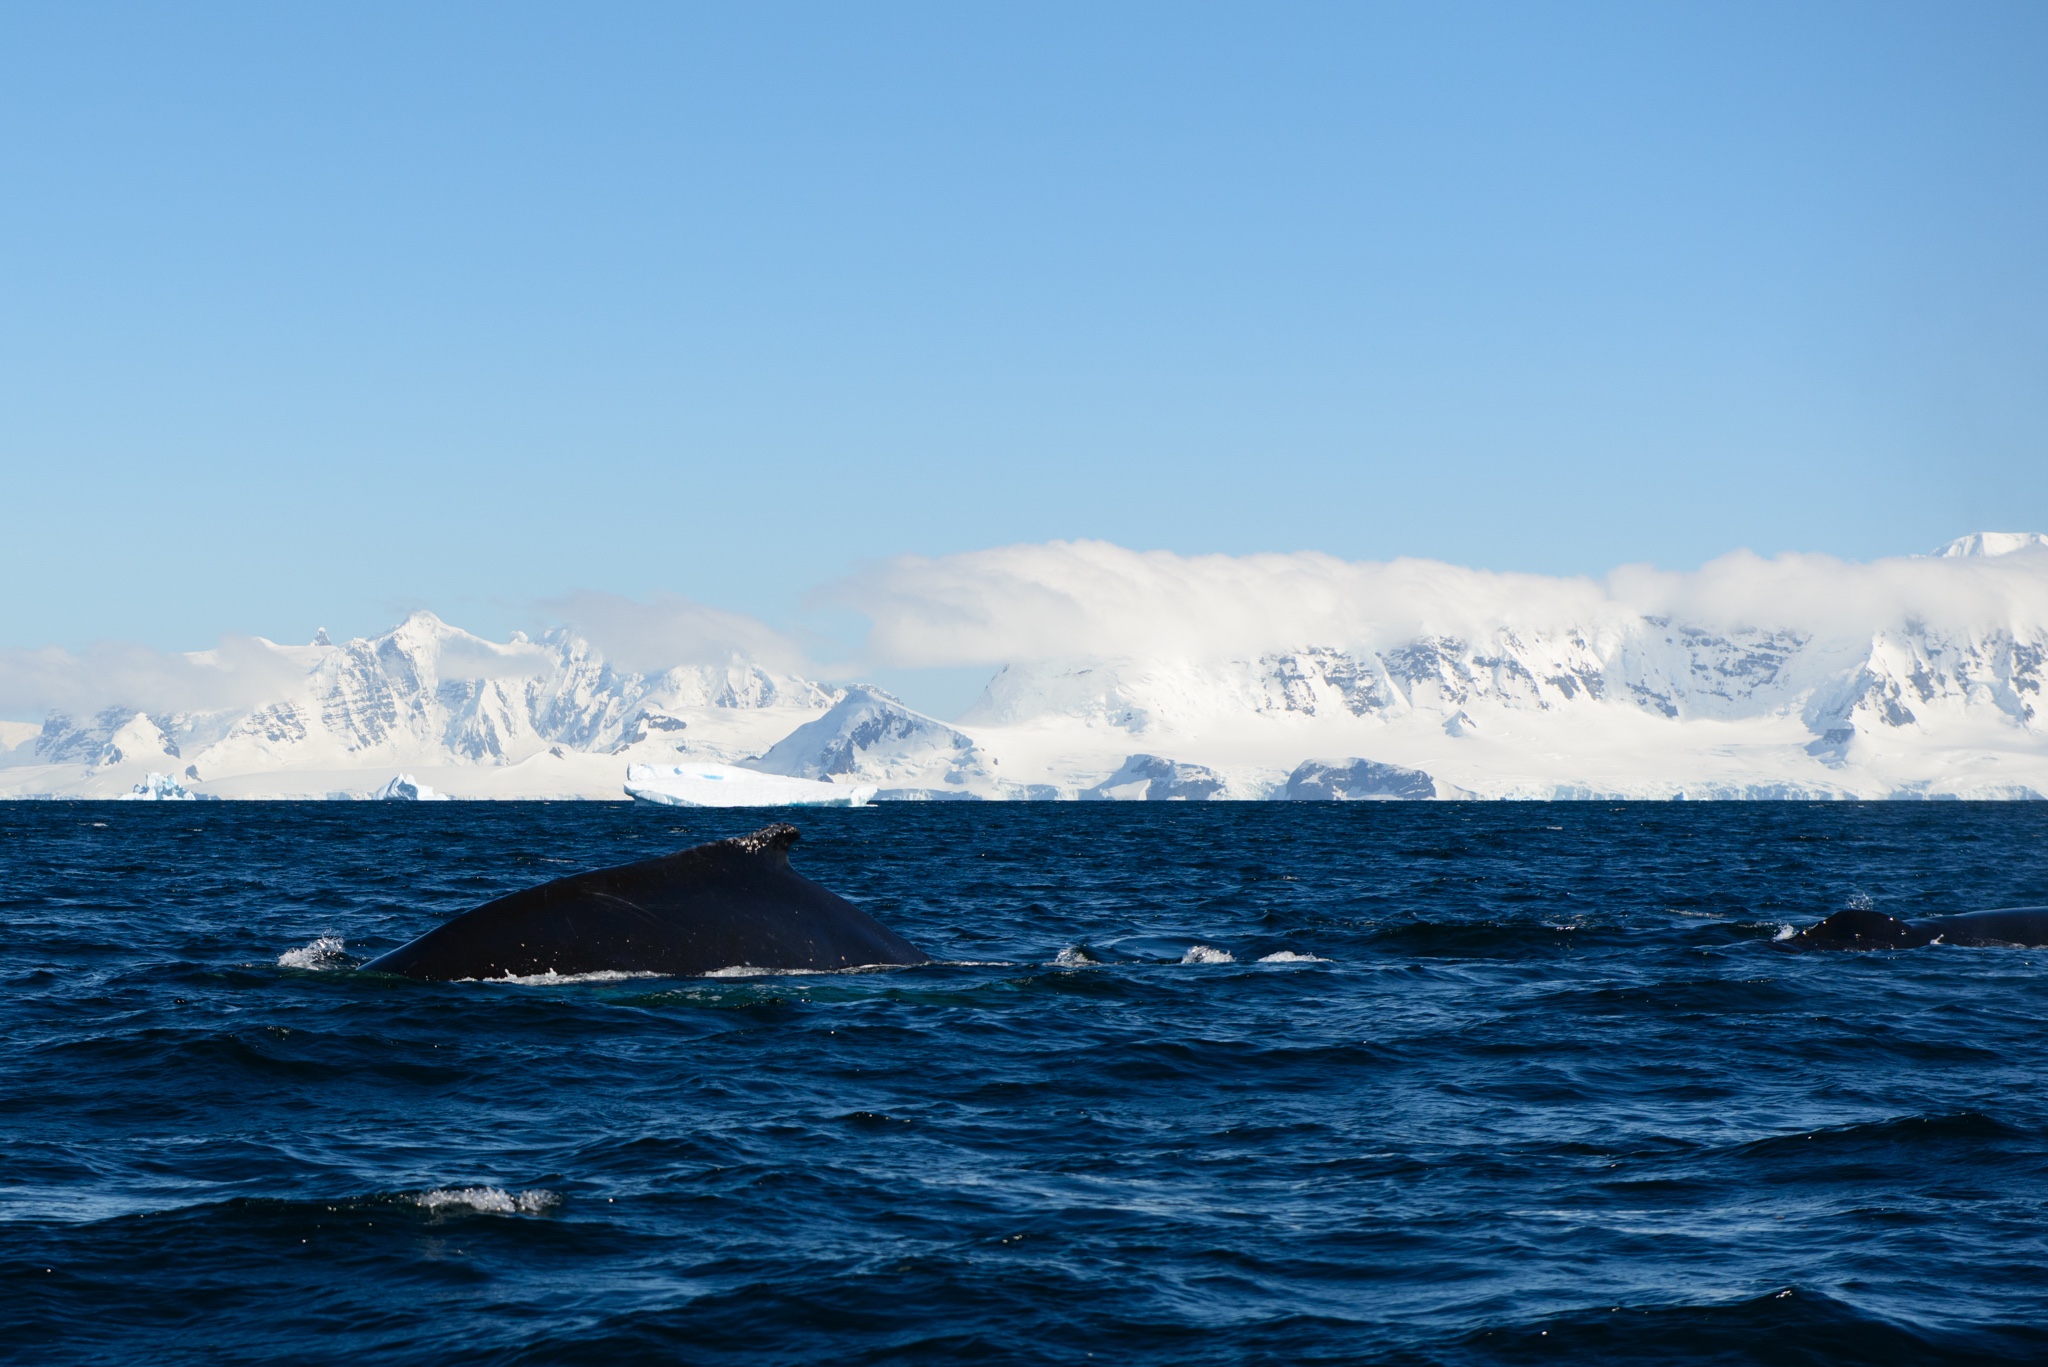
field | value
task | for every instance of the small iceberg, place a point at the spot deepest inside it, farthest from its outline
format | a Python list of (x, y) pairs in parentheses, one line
[(722, 785), (158, 788), (406, 788)]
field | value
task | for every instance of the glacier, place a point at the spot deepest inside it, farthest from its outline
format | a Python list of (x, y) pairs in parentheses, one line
[(1915, 677)]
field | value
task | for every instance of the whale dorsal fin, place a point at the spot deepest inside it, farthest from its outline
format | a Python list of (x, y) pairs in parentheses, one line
[(771, 840)]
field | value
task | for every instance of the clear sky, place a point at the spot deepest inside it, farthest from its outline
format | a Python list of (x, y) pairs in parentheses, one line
[(313, 314)]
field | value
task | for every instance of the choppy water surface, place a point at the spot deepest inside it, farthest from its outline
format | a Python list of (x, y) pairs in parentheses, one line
[(1204, 1083)]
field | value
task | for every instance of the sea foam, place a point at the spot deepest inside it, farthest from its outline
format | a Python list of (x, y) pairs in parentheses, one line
[(487, 1200)]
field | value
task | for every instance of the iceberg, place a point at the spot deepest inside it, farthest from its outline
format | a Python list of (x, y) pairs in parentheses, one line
[(869, 734), (722, 785), (406, 788), (158, 788)]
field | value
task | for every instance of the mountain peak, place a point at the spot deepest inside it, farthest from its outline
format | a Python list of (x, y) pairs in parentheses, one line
[(1993, 543)]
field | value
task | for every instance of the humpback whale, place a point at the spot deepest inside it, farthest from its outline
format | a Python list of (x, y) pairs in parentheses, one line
[(2010, 926), (727, 904)]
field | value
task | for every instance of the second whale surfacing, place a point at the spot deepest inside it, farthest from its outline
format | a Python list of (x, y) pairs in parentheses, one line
[(729, 904), (2019, 927)]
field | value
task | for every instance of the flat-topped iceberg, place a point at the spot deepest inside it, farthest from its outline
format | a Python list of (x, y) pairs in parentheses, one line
[(722, 785)]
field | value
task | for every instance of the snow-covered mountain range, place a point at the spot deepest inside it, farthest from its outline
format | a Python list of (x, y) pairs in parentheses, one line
[(1934, 691), (475, 718)]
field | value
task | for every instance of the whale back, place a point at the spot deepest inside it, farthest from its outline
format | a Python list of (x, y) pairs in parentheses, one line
[(727, 904), (2025, 926), (1860, 929)]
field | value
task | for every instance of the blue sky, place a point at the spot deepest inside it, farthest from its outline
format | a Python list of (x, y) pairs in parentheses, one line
[(310, 315)]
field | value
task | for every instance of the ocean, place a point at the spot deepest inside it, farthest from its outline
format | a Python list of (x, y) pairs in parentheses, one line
[(1196, 1083)]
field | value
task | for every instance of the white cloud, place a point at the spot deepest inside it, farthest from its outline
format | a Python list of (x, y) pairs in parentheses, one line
[(1078, 599), (241, 672), (246, 671), (463, 656), (1829, 597), (1071, 599), (671, 630)]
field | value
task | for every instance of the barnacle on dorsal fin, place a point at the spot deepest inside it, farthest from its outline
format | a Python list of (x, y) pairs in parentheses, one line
[(775, 839)]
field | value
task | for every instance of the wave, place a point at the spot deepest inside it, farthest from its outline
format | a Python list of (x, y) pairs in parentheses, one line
[(487, 1200), (1081, 956), (551, 978), (749, 971)]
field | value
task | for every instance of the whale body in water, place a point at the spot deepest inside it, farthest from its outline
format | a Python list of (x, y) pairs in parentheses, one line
[(2011, 926), (729, 904)]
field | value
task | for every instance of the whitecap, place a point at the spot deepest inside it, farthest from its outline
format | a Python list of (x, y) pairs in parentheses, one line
[(1288, 956), (487, 1200), (1207, 954), (321, 954), (749, 971), (1074, 956), (549, 978)]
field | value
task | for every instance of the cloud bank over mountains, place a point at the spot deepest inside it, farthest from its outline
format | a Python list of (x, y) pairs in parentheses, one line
[(245, 671), (239, 671), (1029, 604), (1120, 673), (671, 630)]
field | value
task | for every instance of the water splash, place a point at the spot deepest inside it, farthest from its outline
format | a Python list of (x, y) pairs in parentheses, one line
[(321, 955)]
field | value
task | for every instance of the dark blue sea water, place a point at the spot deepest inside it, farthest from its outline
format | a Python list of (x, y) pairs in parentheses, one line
[(1540, 1086)]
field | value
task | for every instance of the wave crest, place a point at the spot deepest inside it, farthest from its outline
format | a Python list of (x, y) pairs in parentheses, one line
[(487, 1200)]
